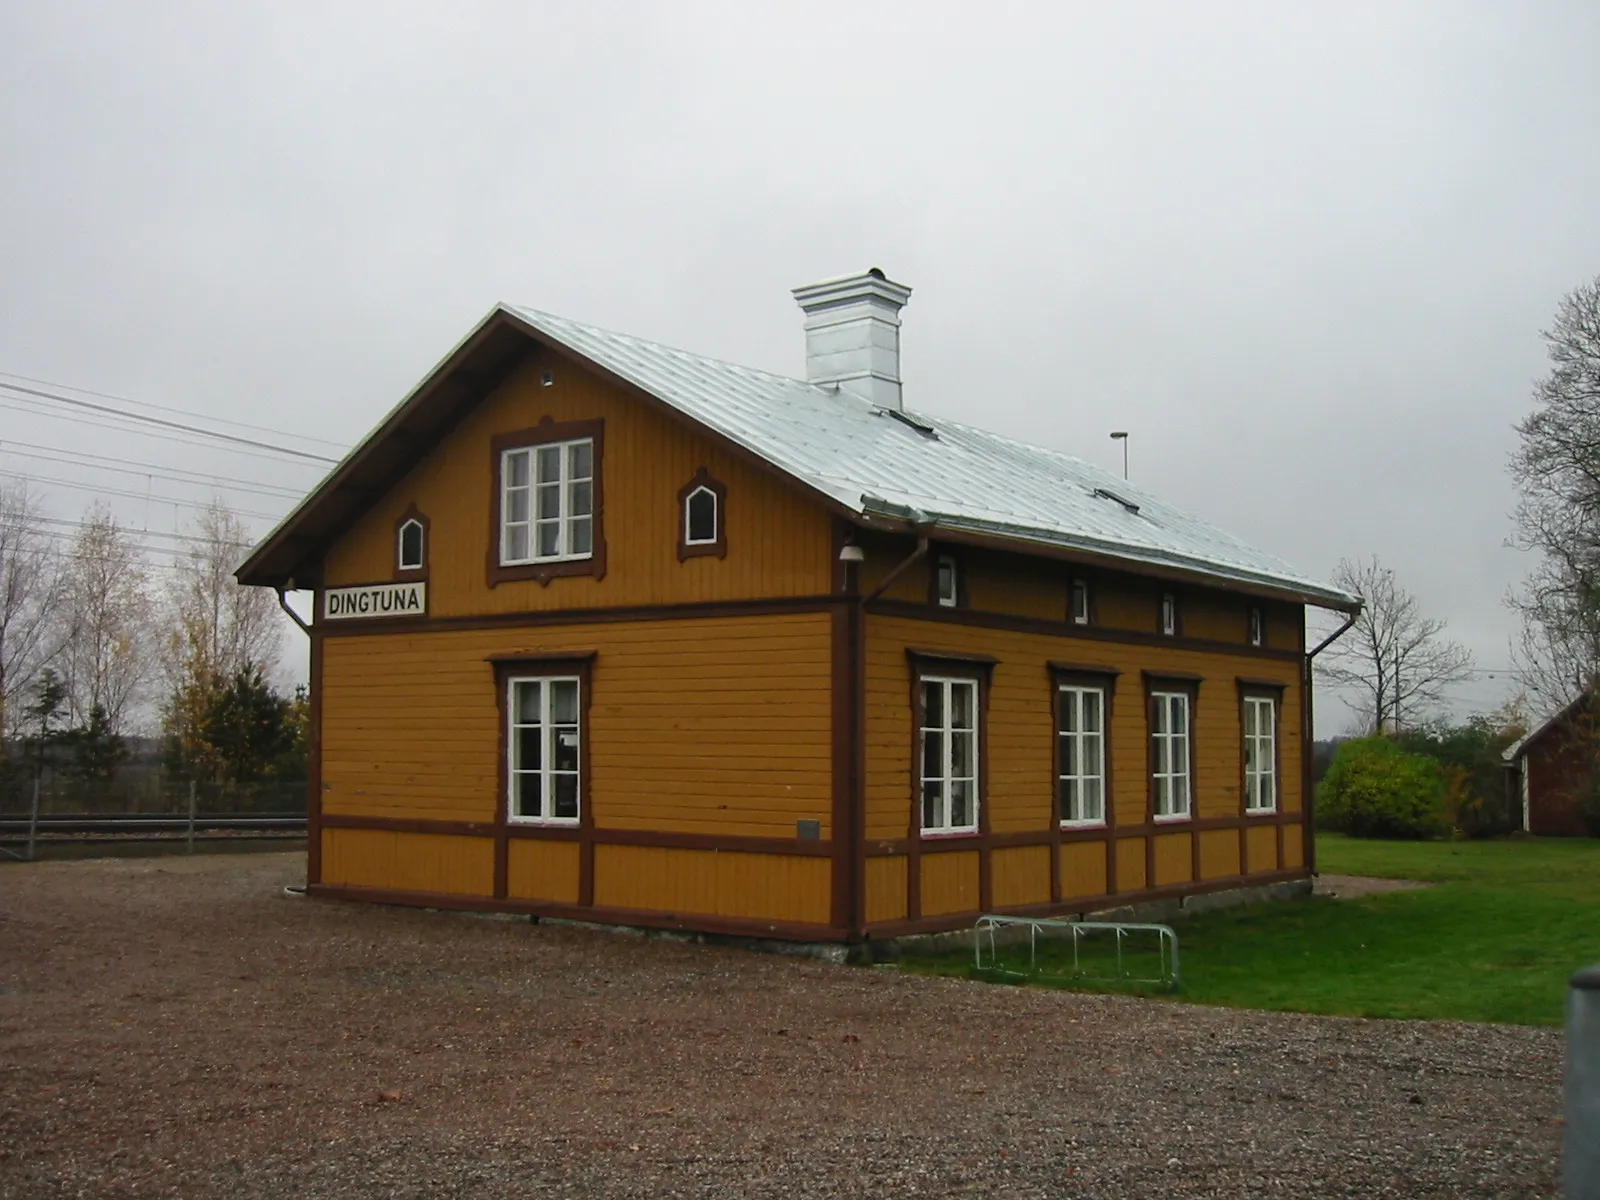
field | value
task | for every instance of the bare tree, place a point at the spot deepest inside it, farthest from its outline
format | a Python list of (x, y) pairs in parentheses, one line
[(106, 603), (30, 587), (1394, 657), (1557, 470), (218, 629)]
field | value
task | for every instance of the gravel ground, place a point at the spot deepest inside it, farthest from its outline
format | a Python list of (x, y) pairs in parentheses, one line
[(1349, 887), (180, 1027)]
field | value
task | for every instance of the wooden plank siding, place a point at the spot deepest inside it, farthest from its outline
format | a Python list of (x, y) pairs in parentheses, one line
[(1018, 776), (779, 543), (717, 728)]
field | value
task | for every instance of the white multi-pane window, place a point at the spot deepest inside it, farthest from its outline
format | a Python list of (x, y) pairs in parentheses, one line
[(547, 502), (1260, 754), (700, 518), (945, 581), (949, 737), (543, 746), (1082, 744), (1169, 754)]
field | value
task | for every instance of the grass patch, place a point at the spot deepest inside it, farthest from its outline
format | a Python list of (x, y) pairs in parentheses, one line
[(1495, 941)]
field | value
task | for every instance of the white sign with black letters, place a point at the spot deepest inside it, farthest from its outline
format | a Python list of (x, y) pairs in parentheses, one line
[(375, 600)]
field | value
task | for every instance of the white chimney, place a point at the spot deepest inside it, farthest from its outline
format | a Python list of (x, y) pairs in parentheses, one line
[(853, 335)]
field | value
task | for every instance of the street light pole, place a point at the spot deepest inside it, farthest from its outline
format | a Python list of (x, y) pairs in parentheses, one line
[(1121, 435)]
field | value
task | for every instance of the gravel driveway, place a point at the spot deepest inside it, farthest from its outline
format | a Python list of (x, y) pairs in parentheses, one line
[(179, 1027)]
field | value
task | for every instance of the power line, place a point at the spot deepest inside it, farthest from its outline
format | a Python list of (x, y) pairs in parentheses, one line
[(11, 403), (105, 462), (124, 414), (182, 412), (100, 489)]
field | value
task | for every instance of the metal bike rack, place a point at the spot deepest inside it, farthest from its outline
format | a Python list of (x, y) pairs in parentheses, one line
[(987, 927)]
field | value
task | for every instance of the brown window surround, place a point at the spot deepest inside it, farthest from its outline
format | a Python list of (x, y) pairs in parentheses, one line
[(938, 664), (408, 574), (548, 430), (1084, 676), (1162, 682), (713, 549), (937, 555), (1263, 689), (511, 666)]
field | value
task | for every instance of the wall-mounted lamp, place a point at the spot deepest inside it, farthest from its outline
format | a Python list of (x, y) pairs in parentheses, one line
[(852, 553)]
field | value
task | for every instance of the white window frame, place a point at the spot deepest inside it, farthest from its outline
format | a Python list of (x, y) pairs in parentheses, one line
[(946, 730), (566, 518), (1169, 614), (1177, 745), (1260, 754), (1258, 627), (946, 600), (1090, 746), (400, 545), (716, 518), (546, 771), (1080, 591)]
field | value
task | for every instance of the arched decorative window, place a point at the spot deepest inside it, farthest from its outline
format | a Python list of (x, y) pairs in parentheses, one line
[(411, 543), (702, 517)]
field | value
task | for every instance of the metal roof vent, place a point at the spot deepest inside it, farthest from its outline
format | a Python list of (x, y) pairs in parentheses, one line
[(1108, 494), (853, 335)]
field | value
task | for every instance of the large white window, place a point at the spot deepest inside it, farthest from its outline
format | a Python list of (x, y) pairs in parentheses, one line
[(1260, 754), (1169, 754), (949, 738), (542, 744), (547, 503), (1082, 742)]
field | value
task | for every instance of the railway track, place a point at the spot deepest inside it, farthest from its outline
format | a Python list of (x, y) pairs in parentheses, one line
[(22, 837)]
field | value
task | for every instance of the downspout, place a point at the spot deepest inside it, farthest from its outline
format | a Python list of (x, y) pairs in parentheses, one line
[(858, 790), (1308, 740)]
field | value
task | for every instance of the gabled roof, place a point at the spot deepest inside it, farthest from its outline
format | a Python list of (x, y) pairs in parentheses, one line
[(1526, 742), (911, 470)]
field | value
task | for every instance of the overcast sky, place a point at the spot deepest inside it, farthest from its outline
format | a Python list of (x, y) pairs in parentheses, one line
[(1302, 252)]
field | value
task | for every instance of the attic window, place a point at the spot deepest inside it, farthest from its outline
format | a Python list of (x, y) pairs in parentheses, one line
[(1080, 601), (906, 418), (1108, 494), (702, 517), (946, 582), (1257, 632), (411, 545), (1169, 614)]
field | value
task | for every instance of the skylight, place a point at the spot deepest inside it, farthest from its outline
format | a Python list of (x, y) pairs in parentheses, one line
[(1108, 494)]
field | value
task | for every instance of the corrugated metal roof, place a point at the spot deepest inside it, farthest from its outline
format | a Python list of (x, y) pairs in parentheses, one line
[(952, 477)]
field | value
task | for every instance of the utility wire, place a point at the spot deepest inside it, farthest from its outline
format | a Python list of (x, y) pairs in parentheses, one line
[(105, 462), (182, 412), (124, 414), (101, 489)]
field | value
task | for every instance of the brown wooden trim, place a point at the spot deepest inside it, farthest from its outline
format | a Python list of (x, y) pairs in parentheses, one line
[(1262, 685), (314, 817), (719, 548), (842, 832), (1308, 834), (412, 574), (1189, 685), (503, 825), (536, 656), (588, 616), (545, 432), (1085, 904), (979, 669), (895, 847), (949, 658), (1104, 678), (1074, 668), (409, 825), (727, 843), (646, 918), (1066, 631)]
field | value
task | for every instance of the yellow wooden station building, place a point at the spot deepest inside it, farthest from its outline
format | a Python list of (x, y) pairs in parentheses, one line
[(611, 631)]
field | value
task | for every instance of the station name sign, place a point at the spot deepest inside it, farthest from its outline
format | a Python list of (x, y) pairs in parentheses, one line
[(375, 600)]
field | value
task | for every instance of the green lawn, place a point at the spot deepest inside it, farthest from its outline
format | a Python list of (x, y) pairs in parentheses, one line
[(1495, 940)]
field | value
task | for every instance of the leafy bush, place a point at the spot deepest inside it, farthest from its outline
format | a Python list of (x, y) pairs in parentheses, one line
[(1478, 802), (1375, 789)]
